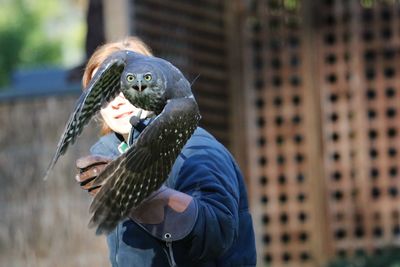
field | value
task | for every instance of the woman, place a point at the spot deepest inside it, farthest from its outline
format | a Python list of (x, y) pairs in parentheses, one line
[(199, 217)]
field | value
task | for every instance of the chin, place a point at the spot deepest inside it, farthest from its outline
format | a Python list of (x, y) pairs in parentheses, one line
[(121, 129), (125, 130)]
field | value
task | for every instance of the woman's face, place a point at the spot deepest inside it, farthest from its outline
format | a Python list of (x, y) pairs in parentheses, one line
[(117, 114)]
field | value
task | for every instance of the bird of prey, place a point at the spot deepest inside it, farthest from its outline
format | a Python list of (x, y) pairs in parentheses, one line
[(152, 84)]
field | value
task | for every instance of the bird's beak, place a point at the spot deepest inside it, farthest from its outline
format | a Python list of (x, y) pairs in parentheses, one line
[(140, 85)]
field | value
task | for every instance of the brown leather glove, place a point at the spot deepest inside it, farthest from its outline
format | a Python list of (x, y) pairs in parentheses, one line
[(89, 168)]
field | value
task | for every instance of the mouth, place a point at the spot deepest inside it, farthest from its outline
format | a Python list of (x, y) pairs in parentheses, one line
[(122, 115)]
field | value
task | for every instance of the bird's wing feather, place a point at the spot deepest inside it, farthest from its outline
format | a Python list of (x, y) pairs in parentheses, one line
[(104, 86), (129, 179)]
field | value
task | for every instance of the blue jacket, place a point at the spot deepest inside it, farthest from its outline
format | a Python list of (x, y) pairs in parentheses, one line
[(222, 233)]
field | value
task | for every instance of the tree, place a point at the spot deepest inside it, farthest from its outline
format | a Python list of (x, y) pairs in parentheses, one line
[(23, 42)]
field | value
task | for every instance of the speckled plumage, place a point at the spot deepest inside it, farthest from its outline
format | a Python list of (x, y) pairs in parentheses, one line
[(152, 84)]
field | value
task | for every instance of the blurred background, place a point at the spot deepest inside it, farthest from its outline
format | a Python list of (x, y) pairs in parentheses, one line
[(304, 93)]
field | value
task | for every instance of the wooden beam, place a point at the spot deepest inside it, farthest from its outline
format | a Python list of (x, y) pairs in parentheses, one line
[(315, 167), (236, 93), (244, 98), (116, 19)]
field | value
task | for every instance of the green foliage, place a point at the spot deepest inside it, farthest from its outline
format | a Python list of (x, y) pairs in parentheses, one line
[(291, 4), (367, 3), (23, 42), (388, 257)]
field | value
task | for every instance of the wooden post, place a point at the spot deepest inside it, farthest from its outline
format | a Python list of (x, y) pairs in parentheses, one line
[(244, 114), (116, 19), (235, 82), (313, 120)]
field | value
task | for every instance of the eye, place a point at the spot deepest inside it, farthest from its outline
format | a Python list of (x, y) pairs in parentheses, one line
[(147, 77), (130, 77)]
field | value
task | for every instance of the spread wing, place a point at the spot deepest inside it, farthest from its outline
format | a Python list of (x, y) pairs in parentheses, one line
[(104, 86), (129, 179)]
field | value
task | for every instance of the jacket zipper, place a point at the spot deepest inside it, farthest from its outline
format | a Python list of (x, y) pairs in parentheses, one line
[(116, 245), (170, 254)]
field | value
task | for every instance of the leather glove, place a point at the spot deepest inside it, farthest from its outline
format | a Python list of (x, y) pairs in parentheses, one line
[(166, 214), (153, 208), (88, 169)]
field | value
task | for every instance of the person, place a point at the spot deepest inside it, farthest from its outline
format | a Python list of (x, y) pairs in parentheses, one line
[(199, 217)]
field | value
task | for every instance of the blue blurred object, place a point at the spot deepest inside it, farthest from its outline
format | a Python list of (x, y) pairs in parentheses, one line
[(39, 79), (39, 82)]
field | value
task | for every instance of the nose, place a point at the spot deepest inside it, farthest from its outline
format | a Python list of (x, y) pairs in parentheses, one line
[(118, 101)]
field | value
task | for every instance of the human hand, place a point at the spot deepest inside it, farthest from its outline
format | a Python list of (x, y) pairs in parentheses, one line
[(89, 168)]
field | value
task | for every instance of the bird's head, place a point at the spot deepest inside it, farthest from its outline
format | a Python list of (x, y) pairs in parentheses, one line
[(143, 84)]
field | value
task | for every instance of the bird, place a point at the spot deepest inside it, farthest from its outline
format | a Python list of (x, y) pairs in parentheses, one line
[(152, 84)]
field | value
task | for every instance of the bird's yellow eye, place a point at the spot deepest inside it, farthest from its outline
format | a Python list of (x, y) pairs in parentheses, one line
[(130, 77), (147, 77)]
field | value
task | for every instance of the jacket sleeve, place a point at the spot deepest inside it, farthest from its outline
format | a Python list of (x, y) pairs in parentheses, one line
[(211, 179)]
